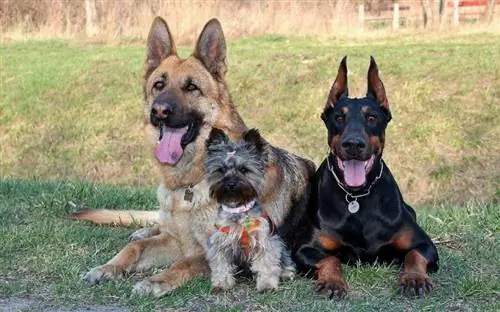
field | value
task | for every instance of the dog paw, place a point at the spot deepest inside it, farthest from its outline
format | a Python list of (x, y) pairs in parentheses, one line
[(288, 273), (141, 234), (223, 283), (102, 274), (267, 283), (148, 287), (414, 284), (336, 288)]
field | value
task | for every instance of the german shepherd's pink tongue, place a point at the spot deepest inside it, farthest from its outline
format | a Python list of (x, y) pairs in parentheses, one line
[(169, 149), (354, 172)]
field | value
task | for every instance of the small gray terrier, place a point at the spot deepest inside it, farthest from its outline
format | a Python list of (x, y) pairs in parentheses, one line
[(244, 234)]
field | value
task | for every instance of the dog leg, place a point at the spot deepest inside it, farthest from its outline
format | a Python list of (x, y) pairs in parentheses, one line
[(421, 256), (144, 233), (180, 272), (137, 256), (328, 268), (330, 281), (220, 256), (267, 264), (414, 279), (288, 269)]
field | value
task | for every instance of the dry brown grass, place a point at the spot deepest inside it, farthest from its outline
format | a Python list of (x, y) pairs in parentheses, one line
[(129, 18)]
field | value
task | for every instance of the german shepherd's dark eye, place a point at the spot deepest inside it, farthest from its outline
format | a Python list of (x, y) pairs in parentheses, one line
[(190, 87), (243, 170), (159, 85)]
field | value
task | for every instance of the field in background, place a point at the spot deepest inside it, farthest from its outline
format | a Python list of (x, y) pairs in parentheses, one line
[(72, 110), (113, 20)]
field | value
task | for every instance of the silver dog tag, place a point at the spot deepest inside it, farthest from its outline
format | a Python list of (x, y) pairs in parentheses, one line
[(353, 206)]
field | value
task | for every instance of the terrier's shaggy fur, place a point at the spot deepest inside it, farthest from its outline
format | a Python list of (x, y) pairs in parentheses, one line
[(244, 234)]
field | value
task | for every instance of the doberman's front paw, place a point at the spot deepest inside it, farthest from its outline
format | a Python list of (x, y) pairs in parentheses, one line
[(414, 284), (335, 288)]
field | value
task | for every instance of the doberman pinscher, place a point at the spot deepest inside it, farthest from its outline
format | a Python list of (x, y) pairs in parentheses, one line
[(357, 210)]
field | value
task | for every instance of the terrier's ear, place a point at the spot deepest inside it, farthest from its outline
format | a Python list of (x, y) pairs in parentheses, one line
[(216, 136), (253, 137)]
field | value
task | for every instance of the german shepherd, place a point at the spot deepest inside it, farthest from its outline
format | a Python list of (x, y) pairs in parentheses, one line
[(184, 99)]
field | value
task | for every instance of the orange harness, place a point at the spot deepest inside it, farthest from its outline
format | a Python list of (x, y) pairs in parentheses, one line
[(248, 227)]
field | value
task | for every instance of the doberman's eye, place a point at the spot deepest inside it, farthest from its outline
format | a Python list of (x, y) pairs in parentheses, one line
[(159, 85), (371, 118), (339, 119)]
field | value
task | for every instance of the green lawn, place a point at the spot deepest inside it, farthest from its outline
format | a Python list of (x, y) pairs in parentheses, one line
[(71, 111), (43, 256)]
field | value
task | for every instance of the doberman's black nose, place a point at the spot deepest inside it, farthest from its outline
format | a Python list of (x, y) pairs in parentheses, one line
[(160, 111), (353, 146)]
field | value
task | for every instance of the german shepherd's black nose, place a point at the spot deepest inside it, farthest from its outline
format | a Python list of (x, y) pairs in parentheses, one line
[(160, 110), (353, 146)]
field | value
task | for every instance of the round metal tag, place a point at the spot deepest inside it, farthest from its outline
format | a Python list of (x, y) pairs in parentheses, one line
[(353, 207)]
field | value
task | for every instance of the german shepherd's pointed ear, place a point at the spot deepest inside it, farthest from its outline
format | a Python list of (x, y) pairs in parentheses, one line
[(211, 48), (375, 86), (339, 88), (254, 138), (216, 136), (159, 44)]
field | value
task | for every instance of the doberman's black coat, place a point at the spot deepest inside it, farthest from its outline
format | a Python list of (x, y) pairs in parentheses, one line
[(384, 228)]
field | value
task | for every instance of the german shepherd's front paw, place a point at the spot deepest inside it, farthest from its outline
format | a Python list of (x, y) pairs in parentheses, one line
[(102, 274), (414, 284), (141, 234), (334, 288), (148, 287)]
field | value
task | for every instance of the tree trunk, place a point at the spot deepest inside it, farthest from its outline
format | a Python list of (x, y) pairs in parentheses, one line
[(92, 21), (55, 21), (490, 9), (427, 13)]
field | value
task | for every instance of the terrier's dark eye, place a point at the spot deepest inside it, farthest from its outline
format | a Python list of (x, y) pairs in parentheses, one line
[(243, 170), (222, 170), (159, 85)]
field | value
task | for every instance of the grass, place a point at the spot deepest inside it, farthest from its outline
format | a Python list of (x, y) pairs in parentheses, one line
[(43, 256), (71, 111)]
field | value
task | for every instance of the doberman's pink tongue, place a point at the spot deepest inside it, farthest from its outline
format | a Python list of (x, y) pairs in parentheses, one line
[(354, 173), (169, 149)]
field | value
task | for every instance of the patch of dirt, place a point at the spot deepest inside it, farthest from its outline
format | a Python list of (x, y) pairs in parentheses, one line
[(26, 304)]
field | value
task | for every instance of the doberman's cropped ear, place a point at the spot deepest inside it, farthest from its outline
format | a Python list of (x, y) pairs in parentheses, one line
[(159, 45), (217, 136), (375, 86), (211, 49), (339, 88), (253, 137)]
